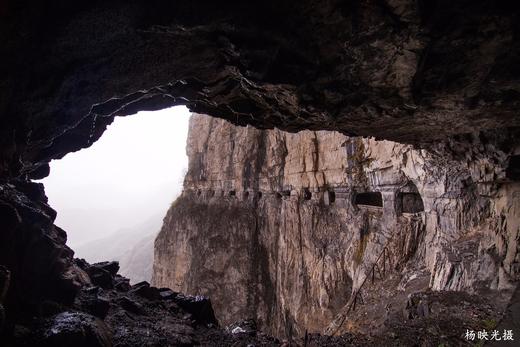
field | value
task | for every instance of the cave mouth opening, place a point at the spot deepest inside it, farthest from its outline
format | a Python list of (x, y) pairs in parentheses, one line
[(113, 196)]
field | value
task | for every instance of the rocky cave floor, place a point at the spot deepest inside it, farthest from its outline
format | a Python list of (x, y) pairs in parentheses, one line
[(111, 312)]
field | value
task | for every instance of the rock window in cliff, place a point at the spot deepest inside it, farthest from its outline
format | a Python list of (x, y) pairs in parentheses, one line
[(329, 197), (259, 195), (286, 193), (513, 169), (373, 199), (408, 199), (410, 202), (232, 193), (307, 195), (245, 195)]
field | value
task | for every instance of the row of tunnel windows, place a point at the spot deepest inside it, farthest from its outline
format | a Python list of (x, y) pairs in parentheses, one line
[(231, 193), (307, 195), (407, 202)]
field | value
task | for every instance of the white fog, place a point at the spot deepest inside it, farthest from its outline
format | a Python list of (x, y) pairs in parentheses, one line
[(123, 183)]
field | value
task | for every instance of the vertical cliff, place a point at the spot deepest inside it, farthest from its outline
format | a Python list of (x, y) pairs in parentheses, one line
[(285, 227)]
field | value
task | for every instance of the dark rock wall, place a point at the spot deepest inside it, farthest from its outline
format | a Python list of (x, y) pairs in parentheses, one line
[(410, 71), (34, 252)]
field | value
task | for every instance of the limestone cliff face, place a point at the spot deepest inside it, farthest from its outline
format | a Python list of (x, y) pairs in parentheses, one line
[(284, 227)]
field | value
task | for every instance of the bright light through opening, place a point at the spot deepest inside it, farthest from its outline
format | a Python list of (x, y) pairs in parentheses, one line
[(127, 178)]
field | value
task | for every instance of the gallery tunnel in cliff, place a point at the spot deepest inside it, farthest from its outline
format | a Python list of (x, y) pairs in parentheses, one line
[(373, 199), (513, 168), (316, 108), (410, 202)]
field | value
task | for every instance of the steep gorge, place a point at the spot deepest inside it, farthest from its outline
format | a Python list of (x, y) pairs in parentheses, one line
[(284, 227)]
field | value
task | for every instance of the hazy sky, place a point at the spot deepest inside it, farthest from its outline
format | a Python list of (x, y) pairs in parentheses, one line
[(133, 172)]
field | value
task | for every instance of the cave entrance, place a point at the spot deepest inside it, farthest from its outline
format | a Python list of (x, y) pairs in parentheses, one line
[(371, 199), (113, 196)]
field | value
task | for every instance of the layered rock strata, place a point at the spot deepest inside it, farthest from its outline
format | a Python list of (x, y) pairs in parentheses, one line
[(285, 227)]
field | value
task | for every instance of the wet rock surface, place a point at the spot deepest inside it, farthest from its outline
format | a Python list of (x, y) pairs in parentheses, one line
[(76, 329), (103, 317), (33, 250)]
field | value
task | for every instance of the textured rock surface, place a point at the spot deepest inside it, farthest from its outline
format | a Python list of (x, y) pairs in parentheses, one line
[(78, 329), (271, 226), (34, 251), (124, 315)]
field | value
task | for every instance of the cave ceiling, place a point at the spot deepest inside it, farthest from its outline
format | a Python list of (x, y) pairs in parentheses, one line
[(409, 71)]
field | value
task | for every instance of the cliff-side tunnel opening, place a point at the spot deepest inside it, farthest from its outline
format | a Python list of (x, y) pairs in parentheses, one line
[(513, 168), (410, 202), (372, 199), (329, 197)]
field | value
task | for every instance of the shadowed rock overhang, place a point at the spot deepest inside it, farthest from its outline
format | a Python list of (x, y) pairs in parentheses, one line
[(408, 71)]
